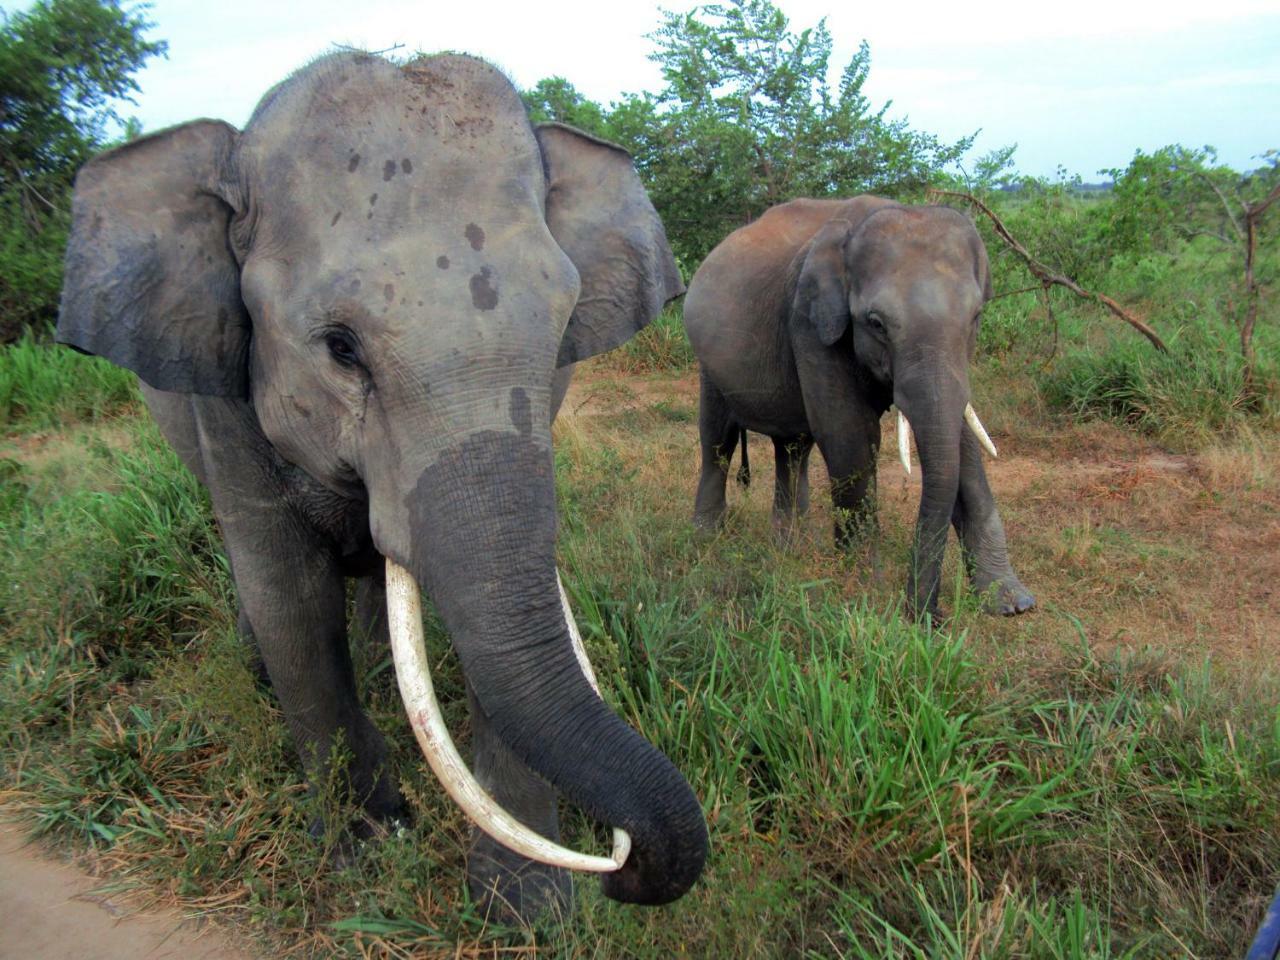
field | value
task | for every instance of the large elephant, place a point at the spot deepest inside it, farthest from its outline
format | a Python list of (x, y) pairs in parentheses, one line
[(808, 324), (349, 319)]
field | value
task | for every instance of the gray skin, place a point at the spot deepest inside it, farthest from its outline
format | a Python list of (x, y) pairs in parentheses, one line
[(350, 318), (807, 325)]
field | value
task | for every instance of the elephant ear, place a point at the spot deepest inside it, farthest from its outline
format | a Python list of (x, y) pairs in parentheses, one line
[(982, 267), (151, 283), (601, 217), (822, 290)]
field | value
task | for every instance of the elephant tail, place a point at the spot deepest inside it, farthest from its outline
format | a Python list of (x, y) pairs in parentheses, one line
[(744, 467)]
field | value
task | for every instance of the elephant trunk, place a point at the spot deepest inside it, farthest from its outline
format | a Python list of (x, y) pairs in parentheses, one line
[(482, 542), (934, 403)]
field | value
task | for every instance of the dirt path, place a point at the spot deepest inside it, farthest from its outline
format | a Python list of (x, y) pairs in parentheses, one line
[(50, 912)]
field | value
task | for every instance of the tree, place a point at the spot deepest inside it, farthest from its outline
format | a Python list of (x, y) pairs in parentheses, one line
[(64, 67), (555, 98), (747, 119)]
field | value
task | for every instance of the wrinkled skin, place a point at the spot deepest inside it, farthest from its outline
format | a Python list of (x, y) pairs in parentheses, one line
[(808, 324), (350, 318)]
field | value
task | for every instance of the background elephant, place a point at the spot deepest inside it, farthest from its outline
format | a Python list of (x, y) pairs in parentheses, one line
[(349, 317), (808, 324)]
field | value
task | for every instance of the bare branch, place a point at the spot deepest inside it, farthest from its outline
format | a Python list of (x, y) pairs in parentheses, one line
[(1253, 292), (1226, 206), (1048, 276)]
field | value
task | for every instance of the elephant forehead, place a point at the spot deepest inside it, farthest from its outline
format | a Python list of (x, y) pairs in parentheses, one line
[(369, 149)]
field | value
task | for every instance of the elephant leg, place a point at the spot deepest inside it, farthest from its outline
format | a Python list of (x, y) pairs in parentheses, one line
[(292, 596), (718, 432), (245, 630), (982, 540), (851, 465), (791, 483), (506, 886), (298, 614)]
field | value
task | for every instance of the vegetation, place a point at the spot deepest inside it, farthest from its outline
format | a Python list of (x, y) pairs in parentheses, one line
[(65, 65), (748, 119), (1098, 779)]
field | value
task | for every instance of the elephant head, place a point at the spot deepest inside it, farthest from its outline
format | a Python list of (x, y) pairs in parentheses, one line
[(906, 287), (389, 263)]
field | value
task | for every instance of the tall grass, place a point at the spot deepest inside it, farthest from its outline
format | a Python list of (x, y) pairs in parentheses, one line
[(660, 347), (43, 386)]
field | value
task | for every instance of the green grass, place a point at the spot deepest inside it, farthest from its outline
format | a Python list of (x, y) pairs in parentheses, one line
[(873, 788), (660, 347), (44, 387)]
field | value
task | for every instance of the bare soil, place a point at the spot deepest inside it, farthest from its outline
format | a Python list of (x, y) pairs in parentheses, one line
[(52, 912), (1125, 544)]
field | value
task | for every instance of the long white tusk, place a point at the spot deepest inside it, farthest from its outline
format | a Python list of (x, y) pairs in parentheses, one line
[(904, 442), (971, 418), (404, 618)]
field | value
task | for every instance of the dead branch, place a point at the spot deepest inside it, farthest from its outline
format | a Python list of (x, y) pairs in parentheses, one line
[(1252, 214), (1050, 277), (1014, 293)]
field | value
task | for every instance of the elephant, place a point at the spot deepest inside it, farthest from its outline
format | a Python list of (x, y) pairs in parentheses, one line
[(808, 324), (354, 320)]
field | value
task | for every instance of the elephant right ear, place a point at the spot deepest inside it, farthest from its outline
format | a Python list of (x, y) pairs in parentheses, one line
[(151, 283), (822, 290), (601, 216)]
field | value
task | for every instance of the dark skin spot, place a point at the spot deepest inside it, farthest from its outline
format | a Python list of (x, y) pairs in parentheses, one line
[(355, 285), (389, 291), (519, 408), (442, 262), (353, 163), (475, 236), (406, 165), (388, 170), (336, 217), (373, 198), (483, 293)]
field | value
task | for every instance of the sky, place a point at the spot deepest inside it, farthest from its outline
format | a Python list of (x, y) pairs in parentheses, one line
[(1078, 86)]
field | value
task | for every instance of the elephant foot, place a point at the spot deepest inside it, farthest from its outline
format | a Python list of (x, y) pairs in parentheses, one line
[(1004, 596), (706, 526), (786, 531), (514, 891)]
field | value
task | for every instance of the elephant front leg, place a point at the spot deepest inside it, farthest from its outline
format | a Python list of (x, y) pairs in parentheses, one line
[(298, 614), (791, 484), (982, 539), (506, 886), (718, 434), (851, 465)]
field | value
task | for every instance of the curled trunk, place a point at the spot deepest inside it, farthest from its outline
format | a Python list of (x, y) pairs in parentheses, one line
[(483, 533)]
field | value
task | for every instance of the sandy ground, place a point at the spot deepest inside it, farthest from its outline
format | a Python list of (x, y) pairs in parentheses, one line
[(50, 912)]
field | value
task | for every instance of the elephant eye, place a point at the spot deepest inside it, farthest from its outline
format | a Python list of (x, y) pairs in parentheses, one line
[(874, 321), (342, 348)]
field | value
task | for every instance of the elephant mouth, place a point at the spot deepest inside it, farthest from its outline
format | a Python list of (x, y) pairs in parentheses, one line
[(404, 617), (970, 417)]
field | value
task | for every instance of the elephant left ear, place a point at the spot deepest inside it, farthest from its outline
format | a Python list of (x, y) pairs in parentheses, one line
[(601, 217)]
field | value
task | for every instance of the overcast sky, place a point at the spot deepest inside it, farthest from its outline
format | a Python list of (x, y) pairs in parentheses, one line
[(1080, 85)]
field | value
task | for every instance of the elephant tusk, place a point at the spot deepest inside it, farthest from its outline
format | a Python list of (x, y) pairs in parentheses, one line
[(904, 441), (404, 619), (971, 418)]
